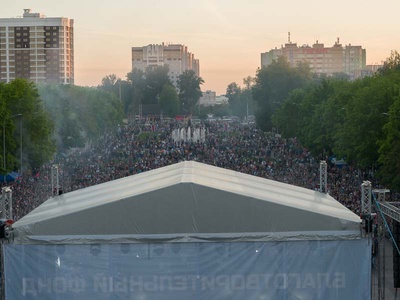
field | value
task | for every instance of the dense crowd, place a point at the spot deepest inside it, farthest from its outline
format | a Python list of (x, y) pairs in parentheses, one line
[(134, 148)]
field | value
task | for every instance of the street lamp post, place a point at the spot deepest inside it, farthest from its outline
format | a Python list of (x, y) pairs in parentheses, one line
[(20, 144), (4, 143), (4, 147)]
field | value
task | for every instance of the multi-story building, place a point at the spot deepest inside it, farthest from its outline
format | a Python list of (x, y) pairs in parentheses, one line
[(322, 60), (208, 98), (176, 56), (37, 48)]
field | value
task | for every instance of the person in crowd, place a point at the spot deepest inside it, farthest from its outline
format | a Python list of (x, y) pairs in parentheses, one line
[(139, 148)]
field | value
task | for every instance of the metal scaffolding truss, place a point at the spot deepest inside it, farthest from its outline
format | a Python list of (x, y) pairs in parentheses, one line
[(390, 210), (366, 198), (6, 203), (55, 187), (382, 205), (323, 171)]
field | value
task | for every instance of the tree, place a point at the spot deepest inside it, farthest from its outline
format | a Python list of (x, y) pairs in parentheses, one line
[(323, 110), (288, 118), (392, 63), (247, 105), (233, 93), (22, 98), (137, 82), (189, 90), (240, 100), (169, 101), (143, 87), (272, 86), (4, 114), (358, 120), (389, 147), (110, 83), (248, 82), (155, 78), (80, 113), (356, 137)]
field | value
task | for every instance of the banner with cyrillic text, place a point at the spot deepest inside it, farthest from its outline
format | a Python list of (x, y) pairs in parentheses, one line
[(235, 270)]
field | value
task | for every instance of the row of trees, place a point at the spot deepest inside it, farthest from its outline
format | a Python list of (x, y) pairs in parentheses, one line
[(355, 120), (154, 86), (23, 115), (39, 121), (79, 114), (240, 98), (55, 118), (358, 121)]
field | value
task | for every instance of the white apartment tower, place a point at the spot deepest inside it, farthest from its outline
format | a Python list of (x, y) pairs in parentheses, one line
[(37, 48), (176, 56)]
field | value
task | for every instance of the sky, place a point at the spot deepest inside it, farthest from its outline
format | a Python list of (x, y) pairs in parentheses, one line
[(227, 36)]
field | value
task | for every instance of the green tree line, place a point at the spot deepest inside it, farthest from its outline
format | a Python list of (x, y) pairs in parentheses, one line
[(154, 86), (39, 121), (358, 121), (80, 114), (25, 120)]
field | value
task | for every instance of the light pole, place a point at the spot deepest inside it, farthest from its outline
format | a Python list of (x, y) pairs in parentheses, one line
[(20, 144), (4, 143)]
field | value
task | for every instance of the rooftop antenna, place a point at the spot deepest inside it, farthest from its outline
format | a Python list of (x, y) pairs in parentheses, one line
[(289, 38)]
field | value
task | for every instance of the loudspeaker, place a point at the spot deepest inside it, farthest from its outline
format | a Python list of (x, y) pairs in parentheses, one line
[(396, 255), (2, 231)]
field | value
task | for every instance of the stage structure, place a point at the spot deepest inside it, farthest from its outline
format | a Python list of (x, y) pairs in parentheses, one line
[(189, 231)]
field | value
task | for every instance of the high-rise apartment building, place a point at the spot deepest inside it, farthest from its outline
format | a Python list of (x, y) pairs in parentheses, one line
[(322, 60), (37, 48), (176, 56)]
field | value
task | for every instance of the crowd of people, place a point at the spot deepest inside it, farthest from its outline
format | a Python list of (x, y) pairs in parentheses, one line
[(136, 148)]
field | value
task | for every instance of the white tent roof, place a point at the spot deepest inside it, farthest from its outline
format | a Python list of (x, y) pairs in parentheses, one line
[(188, 200)]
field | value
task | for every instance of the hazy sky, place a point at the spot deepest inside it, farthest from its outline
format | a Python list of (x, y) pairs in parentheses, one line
[(227, 36)]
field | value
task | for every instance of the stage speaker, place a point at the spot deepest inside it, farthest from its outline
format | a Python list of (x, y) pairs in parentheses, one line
[(2, 230), (396, 255)]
